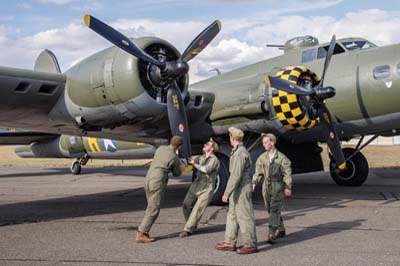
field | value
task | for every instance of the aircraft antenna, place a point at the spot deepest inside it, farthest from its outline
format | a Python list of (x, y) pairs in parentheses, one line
[(279, 46)]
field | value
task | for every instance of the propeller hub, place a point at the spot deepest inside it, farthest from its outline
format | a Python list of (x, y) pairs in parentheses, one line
[(325, 93), (176, 69)]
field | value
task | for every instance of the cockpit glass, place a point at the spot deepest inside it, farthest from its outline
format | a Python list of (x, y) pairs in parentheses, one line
[(354, 45)]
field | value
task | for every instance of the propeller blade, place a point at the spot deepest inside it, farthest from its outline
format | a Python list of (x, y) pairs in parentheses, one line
[(178, 119), (201, 41), (284, 85), (118, 39), (331, 136), (328, 59)]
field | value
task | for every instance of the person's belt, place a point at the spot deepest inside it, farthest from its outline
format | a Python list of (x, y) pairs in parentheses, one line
[(275, 180)]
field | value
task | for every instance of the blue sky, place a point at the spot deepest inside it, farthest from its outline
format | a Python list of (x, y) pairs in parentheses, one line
[(37, 15), (27, 27)]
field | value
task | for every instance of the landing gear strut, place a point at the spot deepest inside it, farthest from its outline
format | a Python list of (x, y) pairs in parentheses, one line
[(77, 164), (357, 168)]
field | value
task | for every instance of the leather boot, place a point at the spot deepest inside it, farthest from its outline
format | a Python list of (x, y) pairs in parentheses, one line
[(271, 239), (280, 234), (143, 237)]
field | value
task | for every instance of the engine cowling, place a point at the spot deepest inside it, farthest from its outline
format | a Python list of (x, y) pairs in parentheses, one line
[(111, 87), (290, 111)]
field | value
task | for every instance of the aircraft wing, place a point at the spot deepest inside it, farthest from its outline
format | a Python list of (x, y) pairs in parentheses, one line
[(23, 137), (28, 93)]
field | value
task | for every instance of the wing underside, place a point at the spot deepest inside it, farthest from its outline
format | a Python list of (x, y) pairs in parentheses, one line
[(23, 137)]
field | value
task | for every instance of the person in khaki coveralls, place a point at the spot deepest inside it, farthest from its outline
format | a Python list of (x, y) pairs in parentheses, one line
[(275, 168), (165, 160), (238, 192), (201, 190)]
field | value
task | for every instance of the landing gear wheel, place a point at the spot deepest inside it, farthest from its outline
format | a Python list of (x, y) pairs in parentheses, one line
[(222, 179), (76, 168), (356, 171)]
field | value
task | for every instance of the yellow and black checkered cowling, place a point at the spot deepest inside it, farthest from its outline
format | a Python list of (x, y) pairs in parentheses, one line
[(288, 108)]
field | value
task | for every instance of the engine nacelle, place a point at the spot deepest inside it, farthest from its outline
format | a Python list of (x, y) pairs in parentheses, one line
[(289, 111), (111, 87)]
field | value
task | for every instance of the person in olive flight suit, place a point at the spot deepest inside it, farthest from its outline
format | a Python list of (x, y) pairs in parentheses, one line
[(238, 193), (165, 160), (201, 190), (274, 168)]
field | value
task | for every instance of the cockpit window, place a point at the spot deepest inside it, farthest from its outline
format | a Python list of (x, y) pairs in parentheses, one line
[(322, 51), (381, 72), (354, 45), (308, 55)]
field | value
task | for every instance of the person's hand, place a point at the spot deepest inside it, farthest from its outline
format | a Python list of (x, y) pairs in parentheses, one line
[(254, 187), (225, 199), (190, 160), (182, 166), (287, 192)]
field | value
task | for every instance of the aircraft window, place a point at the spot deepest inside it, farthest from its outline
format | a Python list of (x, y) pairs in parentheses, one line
[(358, 45), (381, 72), (308, 55), (322, 51)]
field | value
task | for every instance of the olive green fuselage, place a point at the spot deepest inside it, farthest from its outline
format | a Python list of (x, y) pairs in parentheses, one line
[(359, 96)]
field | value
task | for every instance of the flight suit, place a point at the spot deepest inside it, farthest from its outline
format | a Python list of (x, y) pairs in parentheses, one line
[(239, 191), (277, 177), (201, 191), (165, 160)]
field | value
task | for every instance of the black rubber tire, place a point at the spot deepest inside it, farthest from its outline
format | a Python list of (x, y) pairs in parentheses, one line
[(76, 168), (222, 179), (356, 171)]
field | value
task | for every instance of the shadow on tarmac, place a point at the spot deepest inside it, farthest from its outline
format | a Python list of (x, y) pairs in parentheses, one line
[(310, 233)]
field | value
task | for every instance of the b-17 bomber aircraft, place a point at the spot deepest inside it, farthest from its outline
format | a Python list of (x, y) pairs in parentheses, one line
[(138, 90)]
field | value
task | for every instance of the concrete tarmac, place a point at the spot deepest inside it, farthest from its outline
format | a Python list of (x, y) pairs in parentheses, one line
[(51, 217)]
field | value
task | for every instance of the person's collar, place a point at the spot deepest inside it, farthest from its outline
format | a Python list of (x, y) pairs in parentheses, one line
[(171, 147), (209, 155), (237, 146)]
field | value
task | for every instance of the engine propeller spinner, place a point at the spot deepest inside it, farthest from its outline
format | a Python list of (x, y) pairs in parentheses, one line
[(318, 94), (169, 72)]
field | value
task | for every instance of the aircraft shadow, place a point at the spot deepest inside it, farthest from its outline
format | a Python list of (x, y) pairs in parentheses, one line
[(121, 201), (308, 196), (124, 170)]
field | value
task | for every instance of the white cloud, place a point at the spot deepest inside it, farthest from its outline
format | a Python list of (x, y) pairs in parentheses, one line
[(69, 43), (24, 5), (227, 55), (57, 2), (241, 41), (6, 18), (179, 34), (3, 34)]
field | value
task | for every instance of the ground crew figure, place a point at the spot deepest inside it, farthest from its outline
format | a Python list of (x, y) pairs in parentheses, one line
[(201, 190), (274, 168), (165, 160), (238, 193)]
